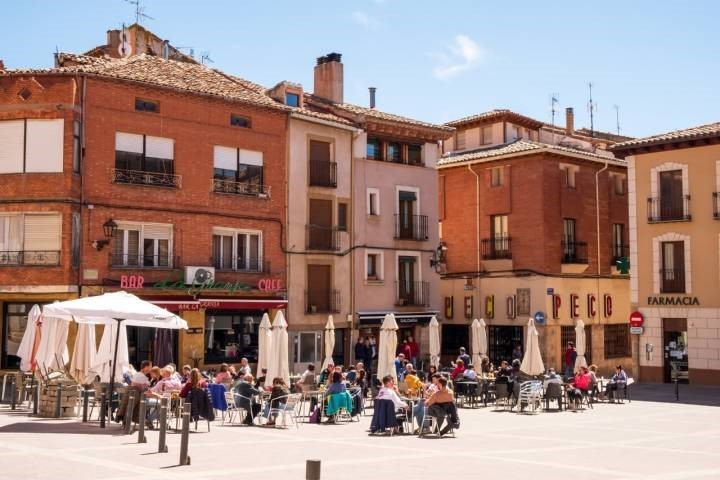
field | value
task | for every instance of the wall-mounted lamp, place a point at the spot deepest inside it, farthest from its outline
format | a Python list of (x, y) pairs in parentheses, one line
[(438, 258), (109, 229)]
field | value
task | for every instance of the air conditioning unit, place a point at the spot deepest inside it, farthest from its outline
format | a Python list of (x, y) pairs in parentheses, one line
[(199, 275)]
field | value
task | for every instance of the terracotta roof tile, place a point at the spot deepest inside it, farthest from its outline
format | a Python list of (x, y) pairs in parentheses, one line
[(388, 117), (695, 133), (489, 115)]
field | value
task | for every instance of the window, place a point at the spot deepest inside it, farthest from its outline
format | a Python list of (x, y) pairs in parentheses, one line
[(414, 154), (453, 337), (144, 153), (239, 121), (486, 133), (307, 347), (292, 99), (374, 265), (238, 165), (237, 250), (567, 334), (16, 318), (394, 152), (231, 337), (30, 239), (672, 274), (31, 146), (323, 171), (374, 149), (342, 217), (619, 249), (514, 133), (617, 340), (373, 201), (618, 183), (75, 240), (460, 140), (497, 176), (146, 106), (568, 174), (142, 246), (671, 195), (77, 147)]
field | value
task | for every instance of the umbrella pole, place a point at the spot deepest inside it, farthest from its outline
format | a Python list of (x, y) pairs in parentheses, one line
[(114, 363)]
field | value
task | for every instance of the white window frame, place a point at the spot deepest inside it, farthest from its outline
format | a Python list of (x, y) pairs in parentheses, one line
[(404, 188), (618, 183), (379, 266), (370, 193), (570, 171), (126, 226), (297, 351), (500, 176), (657, 262), (234, 232), (41, 146), (418, 263)]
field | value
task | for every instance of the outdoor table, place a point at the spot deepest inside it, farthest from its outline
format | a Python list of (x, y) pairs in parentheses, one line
[(412, 401), (466, 385), (307, 396)]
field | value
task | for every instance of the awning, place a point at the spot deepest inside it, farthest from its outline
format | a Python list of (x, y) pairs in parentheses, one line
[(220, 304), (402, 318)]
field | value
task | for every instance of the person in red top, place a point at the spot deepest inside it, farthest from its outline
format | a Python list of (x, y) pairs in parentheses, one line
[(414, 350), (579, 385), (458, 370), (196, 381)]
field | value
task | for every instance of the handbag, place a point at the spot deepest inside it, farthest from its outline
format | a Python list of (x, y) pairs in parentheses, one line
[(315, 416)]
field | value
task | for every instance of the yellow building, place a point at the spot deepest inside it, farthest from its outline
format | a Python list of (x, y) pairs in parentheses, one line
[(674, 180)]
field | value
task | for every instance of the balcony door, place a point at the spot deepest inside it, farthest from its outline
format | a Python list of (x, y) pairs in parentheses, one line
[(406, 279), (406, 212), (320, 163), (320, 218), (319, 286), (569, 246), (671, 195), (499, 226), (672, 274)]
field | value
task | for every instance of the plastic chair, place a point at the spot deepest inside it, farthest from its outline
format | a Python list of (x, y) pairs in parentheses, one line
[(530, 395), (553, 392)]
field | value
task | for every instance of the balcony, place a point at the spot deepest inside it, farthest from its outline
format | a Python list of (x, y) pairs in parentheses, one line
[(574, 252), (150, 179), (241, 265), (240, 188), (29, 258), (716, 205), (322, 238), (323, 173), (412, 293), (322, 301), (673, 209), (144, 261), (672, 280), (496, 248), (411, 227), (618, 252)]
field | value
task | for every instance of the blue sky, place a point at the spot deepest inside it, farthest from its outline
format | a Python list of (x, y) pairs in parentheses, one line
[(431, 60)]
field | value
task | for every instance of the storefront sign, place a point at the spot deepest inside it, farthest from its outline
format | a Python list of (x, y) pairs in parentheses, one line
[(556, 304), (136, 282), (673, 301), (490, 306), (269, 285), (510, 304), (130, 282), (637, 319), (607, 305), (591, 308), (574, 306)]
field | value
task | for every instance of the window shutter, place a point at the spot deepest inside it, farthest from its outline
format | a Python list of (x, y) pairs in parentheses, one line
[(157, 147), (161, 232), (319, 151), (12, 137), (250, 157), (42, 232), (44, 146), (128, 142), (225, 158)]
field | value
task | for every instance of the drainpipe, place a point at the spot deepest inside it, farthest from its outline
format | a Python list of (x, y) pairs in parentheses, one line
[(477, 222)]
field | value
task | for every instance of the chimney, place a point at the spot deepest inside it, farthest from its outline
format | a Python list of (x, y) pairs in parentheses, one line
[(569, 121), (372, 96), (166, 49), (329, 77)]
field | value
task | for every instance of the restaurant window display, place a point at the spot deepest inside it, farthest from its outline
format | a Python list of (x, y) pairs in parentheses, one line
[(231, 336), (16, 316)]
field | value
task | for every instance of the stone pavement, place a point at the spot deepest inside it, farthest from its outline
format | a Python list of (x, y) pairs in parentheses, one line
[(638, 440)]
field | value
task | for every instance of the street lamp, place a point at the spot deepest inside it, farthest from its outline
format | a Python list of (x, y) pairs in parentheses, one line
[(109, 229), (438, 258)]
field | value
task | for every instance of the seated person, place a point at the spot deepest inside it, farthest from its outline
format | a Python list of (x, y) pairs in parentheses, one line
[(505, 375), (593, 379), (579, 385), (432, 370), (458, 370), (244, 368), (470, 373), (185, 376), (326, 375), (224, 374), (307, 379), (551, 377), (164, 387), (414, 384), (141, 379), (337, 385), (485, 366), (278, 397), (260, 381), (244, 394), (351, 375), (173, 372), (389, 392), (195, 380), (440, 405), (618, 380), (400, 366), (419, 408), (155, 376)]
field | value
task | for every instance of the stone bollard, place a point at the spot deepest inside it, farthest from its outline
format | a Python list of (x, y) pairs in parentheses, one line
[(13, 394), (86, 401), (141, 421), (58, 400), (103, 409), (184, 439), (162, 447), (129, 410), (312, 470), (36, 399)]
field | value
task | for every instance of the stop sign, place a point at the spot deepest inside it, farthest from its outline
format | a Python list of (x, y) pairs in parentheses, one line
[(636, 319)]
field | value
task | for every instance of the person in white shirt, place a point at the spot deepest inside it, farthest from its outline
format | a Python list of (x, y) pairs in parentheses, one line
[(244, 367), (389, 392), (140, 380)]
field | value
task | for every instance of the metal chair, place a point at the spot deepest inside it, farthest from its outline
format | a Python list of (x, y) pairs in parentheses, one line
[(553, 392), (287, 409), (502, 395)]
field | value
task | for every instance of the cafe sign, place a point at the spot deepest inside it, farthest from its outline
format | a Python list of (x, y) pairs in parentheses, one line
[(134, 282)]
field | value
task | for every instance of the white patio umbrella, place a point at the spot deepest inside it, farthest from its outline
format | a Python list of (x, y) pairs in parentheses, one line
[(264, 343), (532, 363), (32, 330), (434, 342), (211, 332), (329, 342), (388, 345), (580, 361), (103, 364), (279, 365), (53, 351), (84, 353), (478, 339)]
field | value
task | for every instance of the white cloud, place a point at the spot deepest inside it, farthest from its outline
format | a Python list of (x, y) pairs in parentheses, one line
[(460, 56), (365, 20)]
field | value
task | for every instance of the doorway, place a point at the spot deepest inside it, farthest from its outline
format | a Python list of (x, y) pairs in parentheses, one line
[(141, 345), (675, 350), (501, 342)]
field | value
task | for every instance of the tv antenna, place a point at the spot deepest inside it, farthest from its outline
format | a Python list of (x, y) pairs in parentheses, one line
[(139, 11), (124, 49), (554, 100), (617, 118), (592, 108), (205, 57)]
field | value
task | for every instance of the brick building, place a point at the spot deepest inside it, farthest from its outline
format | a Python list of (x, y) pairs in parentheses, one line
[(143, 173), (534, 220)]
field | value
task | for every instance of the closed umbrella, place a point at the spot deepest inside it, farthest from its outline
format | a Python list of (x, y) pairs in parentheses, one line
[(477, 332), (211, 332), (163, 351), (30, 340), (52, 351), (434, 342), (388, 344), (482, 335), (106, 352), (532, 363), (264, 343), (84, 353), (279, 365), (580, 361), (329, 342)]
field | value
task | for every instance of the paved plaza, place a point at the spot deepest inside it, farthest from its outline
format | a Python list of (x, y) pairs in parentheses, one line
[(649, 438)]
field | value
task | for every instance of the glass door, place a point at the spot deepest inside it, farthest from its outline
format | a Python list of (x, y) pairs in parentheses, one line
[(675, 351)]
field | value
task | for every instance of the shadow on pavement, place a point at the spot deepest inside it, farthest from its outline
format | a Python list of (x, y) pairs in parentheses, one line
[(35, 426), (665, 393)]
